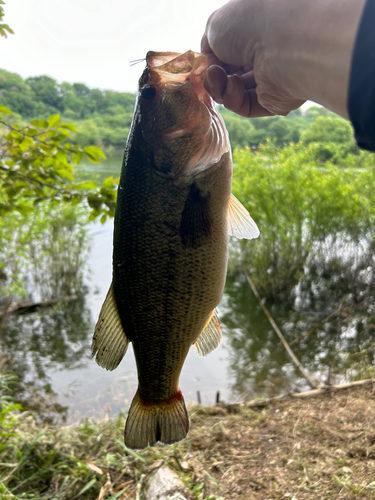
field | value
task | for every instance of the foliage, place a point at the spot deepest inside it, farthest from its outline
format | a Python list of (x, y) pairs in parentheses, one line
[(74, 101), (42, 253), (298, 205), (316, 125), (37, 163), (4, 28), (103, 117), (87, 461), (9, 410)]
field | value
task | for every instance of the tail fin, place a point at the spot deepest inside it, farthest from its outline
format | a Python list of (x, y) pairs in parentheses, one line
[(147, 423)]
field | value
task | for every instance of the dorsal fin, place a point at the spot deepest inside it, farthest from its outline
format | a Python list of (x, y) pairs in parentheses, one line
[(210, 336), (109, 342), (241, 225)]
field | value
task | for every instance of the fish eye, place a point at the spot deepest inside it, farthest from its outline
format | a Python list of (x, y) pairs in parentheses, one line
[(148, 93)]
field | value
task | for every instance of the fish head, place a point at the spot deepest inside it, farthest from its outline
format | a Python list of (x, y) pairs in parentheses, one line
[(182, 131)]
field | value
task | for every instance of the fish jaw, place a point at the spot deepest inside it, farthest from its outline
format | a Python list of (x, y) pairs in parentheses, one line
[(181, 126)]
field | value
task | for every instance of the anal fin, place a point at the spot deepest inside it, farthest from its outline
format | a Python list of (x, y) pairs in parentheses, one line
[(109, 343), (210, 336), (241, 225)]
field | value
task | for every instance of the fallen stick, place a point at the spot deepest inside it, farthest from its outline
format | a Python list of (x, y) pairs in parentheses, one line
[(324, 389), (26, 306), (292, 356)]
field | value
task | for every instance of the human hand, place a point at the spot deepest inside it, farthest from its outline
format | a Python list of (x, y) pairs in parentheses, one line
[(276, 54), (247, 82)]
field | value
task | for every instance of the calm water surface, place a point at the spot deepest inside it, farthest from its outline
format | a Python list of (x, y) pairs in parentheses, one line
[(51, 349)]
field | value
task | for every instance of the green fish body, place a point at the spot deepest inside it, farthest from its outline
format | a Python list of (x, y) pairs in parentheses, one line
[(174, 213)]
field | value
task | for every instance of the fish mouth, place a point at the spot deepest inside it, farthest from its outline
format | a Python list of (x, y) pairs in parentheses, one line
[(174, 68), (170, 69)]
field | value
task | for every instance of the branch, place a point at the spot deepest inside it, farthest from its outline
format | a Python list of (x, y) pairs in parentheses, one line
[(324, 389), (278, 332), (28, 178)]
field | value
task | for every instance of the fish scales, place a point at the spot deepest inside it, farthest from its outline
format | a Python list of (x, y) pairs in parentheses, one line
[(174, 212), (161, 286)]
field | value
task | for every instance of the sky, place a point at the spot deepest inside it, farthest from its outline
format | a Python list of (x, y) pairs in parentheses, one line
[(93, 41)]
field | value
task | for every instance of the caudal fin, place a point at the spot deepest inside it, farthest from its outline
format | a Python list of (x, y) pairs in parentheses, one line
[(148, 423)]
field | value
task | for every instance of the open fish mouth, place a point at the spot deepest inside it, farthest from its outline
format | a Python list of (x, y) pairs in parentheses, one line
[(173, 67)]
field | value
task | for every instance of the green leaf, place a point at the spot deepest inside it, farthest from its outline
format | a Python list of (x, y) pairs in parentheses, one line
[(95, 152), (54, 120), (32, 132), (87, 487), (39, 123), (108, 183), (66, 133), (88, 185), (77, 157), (69, 126), (131, 452), (4, 109), (117, 495)]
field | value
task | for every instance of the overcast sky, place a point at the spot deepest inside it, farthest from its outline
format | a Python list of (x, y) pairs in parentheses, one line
[(93, 41)]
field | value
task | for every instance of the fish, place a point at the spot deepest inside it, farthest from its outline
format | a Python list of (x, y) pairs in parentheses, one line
[(173, 217)]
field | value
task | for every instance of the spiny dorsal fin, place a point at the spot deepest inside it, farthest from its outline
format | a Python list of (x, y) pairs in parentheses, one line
[(109, 342), (241, 225), (210, 336)]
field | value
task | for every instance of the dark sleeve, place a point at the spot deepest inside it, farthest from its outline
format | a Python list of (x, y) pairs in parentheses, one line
[(361, 97)]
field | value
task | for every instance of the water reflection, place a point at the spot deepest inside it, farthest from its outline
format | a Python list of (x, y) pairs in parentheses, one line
[(47, 251), (328, 320), (38, 343)]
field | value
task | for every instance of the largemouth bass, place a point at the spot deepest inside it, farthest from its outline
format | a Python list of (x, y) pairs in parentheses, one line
[(173, 217)]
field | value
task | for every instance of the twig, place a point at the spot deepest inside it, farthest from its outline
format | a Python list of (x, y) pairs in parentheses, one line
[(199, 398), (22, 307), (278, 332), (324, 389)]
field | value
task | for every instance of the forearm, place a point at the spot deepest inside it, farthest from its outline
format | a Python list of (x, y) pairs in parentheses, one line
[(314, 56), (293, 51)]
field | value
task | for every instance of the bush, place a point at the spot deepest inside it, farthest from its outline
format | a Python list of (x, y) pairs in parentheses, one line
[(298, 205)]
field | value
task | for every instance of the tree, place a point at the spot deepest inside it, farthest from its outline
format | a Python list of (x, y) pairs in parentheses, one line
[(37, 163), (45, 90), (4, 28), (301, 209)]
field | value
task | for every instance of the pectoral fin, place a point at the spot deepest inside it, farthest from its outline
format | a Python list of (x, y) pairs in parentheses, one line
[(241, 225), (210, 337), (109, 343)]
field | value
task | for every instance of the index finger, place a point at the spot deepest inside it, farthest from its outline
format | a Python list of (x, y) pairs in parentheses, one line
[(205, 46)]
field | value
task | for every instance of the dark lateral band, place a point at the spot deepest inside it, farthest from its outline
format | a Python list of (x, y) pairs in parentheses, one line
[(361, 97)]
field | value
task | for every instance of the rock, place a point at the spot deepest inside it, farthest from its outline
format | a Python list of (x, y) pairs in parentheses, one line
[(166, 485)]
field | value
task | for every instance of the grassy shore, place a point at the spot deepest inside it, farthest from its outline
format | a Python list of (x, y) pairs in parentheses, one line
[(320, 448)]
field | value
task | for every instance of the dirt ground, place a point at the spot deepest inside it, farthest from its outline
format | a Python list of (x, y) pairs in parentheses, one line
[(320, 447), (316, 448)]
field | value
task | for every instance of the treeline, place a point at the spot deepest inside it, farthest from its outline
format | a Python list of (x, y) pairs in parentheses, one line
[(103, 117)]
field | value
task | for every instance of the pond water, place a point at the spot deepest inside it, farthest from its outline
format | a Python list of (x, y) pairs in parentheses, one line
[(50, 349)]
